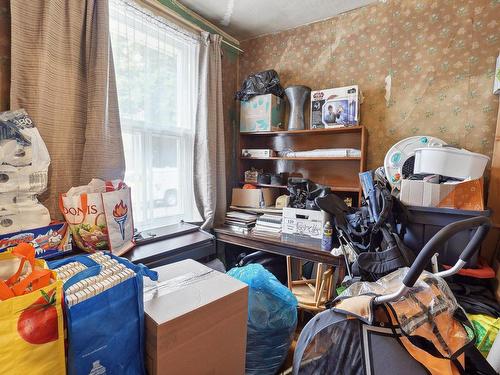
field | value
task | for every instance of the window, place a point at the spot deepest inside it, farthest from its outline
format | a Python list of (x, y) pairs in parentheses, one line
[(156, 69)]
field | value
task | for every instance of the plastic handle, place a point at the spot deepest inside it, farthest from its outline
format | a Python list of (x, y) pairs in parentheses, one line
[(441, 237)]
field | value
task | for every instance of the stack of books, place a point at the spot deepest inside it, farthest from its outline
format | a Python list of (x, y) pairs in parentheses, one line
[(268, 225), (240, 221)]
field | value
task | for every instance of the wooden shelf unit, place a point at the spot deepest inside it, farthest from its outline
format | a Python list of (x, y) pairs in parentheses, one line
[(353, 189), (340, 173), (314, 158), (344, 129)]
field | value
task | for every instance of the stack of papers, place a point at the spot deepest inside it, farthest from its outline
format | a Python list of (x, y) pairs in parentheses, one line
[(268, 225), (240, 221)]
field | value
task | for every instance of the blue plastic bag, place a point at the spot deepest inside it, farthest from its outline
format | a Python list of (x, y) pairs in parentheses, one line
[(106, 331), (272, 319)]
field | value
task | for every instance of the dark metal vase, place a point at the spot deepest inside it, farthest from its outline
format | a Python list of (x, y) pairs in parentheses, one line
[(297, 97)]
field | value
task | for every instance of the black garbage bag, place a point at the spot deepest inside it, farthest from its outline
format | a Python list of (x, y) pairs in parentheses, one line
[(303, 193), (266, 82)]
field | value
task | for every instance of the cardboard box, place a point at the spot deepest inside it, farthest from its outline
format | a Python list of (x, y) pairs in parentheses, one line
[(307, 223), (467, 195), (254, 198), (49, 241), (196, 321), (262, 113), (337, 107)]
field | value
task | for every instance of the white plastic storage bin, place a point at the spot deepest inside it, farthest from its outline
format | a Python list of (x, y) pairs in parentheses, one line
[(450, 162)]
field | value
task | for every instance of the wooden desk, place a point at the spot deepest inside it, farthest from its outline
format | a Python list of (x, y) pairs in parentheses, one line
[(285, 247), (196, 245)]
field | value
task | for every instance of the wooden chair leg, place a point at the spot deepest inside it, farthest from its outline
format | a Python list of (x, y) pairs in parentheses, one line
[(319, 277), (289, 270), (329, 292)]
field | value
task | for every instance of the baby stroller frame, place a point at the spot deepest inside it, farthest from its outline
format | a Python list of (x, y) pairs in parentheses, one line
[(336, 342)]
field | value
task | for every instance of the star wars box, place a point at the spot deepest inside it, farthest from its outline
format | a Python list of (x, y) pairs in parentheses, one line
[(337, 107)]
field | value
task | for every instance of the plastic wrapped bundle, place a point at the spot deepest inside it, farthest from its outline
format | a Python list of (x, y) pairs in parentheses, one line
[(272, 319), (266, 82)]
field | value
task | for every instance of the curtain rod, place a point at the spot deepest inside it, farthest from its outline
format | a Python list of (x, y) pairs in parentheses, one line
[(226, 38)]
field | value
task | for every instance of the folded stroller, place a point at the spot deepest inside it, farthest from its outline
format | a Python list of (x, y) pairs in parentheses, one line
[(407, 322)]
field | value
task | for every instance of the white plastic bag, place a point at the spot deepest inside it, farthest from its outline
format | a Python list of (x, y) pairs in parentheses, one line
[(24, 158)]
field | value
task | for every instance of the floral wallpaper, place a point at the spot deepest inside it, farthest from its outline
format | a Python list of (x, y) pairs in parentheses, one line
[(439, 54), (4, 54)]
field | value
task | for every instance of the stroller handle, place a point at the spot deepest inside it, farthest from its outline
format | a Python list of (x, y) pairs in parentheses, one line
[(483, 223), (440, 238)]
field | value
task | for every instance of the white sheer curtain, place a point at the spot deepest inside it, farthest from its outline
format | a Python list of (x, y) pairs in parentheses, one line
[(156, 66)]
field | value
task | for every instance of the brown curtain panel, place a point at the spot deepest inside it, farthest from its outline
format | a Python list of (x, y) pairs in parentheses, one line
[(62, 74), (209, 151)]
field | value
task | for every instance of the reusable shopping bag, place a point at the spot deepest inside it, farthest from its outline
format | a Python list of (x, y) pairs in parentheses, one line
[(100, 216), (31, 319), (104, 313)]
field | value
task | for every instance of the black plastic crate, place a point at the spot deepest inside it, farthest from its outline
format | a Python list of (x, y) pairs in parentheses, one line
[(425, 222)]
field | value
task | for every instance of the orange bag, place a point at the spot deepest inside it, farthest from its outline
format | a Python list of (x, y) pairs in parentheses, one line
[(19, 283)]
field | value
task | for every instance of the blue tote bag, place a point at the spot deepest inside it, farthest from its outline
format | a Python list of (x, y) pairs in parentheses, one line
[(106, 331)]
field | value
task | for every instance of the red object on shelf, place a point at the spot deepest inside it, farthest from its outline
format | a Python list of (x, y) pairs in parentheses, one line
[(249, 186)]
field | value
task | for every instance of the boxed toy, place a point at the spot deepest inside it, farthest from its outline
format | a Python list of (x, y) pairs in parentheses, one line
[(337, 107), (48, 241), (262, 113)]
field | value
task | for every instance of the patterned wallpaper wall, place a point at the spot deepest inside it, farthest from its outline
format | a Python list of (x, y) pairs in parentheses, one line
[(4, 54), (440, 55)]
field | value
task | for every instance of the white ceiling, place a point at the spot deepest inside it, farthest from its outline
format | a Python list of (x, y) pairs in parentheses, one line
[(245, 19)]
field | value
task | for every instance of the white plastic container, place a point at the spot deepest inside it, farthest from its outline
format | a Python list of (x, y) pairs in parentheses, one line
[(450, 162)]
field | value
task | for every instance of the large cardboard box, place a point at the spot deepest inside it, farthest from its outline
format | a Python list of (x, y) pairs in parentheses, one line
[(254, 198), (466, 195), (196, 321), (307, 223), (262, 113)]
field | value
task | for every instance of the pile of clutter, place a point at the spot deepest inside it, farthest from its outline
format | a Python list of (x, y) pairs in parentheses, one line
[(24, 163), (429, 173)]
